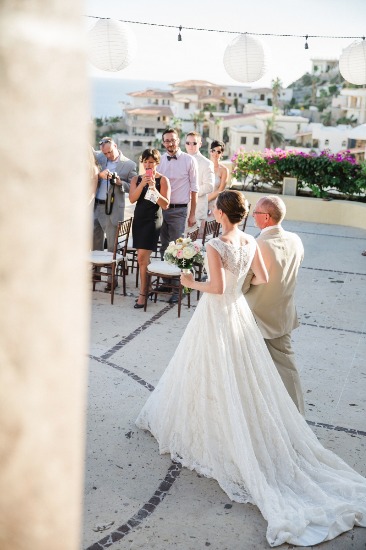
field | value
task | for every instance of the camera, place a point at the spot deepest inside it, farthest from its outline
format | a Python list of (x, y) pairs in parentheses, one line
[(113, 178)]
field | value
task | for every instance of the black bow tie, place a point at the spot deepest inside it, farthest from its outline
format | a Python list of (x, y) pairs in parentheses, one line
[(173, 157)]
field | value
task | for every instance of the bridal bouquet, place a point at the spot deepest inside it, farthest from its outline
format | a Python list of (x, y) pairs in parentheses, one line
[(184, 253)]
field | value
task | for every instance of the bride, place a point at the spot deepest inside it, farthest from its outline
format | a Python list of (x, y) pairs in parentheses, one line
[(221, 408)]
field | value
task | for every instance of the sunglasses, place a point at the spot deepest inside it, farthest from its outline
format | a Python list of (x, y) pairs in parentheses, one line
[(216, 151), (105, 141), (191, 142)]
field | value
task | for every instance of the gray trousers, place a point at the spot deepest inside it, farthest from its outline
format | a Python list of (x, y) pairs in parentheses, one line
[(103, 226), (284, 359), (174, 221)]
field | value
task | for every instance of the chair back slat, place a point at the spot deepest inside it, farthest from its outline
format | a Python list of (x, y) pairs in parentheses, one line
[(211, 229), (122, 236), (193, 234)]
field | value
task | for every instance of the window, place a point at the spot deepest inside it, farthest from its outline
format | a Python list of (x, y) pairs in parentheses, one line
[(261, 97), (158, 118), (240, 95), (209, 91), (344, 143), (186, 105), (326, 142), (243, 140), (256, 141), (235, 94), (229, 94)]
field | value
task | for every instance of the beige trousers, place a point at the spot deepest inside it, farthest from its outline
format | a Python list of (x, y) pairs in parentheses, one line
[(284, 359)]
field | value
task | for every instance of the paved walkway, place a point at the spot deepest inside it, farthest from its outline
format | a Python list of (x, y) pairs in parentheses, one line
[(137, 499)]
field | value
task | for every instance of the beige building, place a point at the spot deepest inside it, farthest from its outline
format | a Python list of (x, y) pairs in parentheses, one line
[(351, 103), (247, 131)]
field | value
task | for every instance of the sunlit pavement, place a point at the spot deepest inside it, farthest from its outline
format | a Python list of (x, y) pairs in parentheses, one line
[(135, 498)]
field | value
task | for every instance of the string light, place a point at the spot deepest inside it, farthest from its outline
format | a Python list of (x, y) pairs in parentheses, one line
[(230, 32), (306, 42), (179, 35)]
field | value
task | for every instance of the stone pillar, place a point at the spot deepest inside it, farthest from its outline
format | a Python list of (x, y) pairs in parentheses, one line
[(289, 186), (44, 291)]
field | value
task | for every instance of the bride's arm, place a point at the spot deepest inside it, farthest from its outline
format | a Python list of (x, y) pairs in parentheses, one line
[(217, 283), (259, 269)]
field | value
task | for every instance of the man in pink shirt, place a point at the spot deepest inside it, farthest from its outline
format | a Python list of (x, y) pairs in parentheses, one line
[(181, 170)]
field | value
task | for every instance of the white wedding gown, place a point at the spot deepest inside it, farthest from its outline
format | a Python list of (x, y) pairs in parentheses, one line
[(221, 409)]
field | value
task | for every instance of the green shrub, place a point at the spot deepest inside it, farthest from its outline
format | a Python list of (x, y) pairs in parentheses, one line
[(321, 172)]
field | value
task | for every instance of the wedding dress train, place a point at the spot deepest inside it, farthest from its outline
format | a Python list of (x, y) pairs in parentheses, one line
[(221, 409)]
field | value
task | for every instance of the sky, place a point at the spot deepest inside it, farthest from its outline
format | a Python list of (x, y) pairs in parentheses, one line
[(200, 54)]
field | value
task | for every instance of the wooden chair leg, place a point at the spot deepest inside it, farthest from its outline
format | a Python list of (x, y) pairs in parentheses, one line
[(180, 299), (124, 266), (199, 276), (112, 282)]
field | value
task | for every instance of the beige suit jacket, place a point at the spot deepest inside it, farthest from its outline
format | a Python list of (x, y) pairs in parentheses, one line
[(273, 303)]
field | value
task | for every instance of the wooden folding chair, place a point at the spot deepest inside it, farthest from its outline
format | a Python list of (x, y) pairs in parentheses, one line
[(114, 262), (160, 273)]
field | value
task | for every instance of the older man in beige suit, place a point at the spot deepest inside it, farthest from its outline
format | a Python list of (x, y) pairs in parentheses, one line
[(273, 304)]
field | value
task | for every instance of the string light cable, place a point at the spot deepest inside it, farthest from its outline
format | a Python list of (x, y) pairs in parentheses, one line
[(180, 28)]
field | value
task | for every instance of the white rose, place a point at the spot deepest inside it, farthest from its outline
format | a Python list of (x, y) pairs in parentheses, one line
[(188, 252)]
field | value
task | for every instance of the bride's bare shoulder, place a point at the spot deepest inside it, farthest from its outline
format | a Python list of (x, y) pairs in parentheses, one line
[(247, 239)]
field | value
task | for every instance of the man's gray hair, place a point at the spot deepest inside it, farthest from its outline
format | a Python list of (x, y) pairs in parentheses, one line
[(275, 207)]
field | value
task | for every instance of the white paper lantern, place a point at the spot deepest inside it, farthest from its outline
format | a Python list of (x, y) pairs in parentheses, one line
[(244, 59), (352, 63), (112, 45)]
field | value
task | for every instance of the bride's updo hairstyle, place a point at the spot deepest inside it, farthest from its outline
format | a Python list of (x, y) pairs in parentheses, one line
[(233, 204)]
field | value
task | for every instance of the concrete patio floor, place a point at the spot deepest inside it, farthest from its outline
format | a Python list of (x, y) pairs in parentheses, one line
[(137, 499)]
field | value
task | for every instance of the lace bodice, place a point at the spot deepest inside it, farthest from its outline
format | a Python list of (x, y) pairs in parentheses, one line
[(235, 259)]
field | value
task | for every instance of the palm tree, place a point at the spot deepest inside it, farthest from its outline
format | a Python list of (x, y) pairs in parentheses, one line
[(314, 82), (177, 124), (327, 118), (351, 121), (198, 118), (276, 90), (273, 138)]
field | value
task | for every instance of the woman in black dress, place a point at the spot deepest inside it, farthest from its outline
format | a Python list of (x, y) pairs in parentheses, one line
[(151, 192)]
